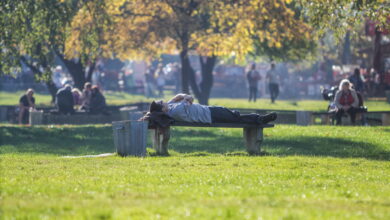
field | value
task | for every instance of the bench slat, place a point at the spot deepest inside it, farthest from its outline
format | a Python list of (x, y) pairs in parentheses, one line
[(221, 125)]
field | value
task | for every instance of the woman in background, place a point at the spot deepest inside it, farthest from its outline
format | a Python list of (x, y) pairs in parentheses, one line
[(346, 101), (26, 102)]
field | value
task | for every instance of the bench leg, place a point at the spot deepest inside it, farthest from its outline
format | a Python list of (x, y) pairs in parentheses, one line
[(253, 139), (385, 119), (325, 119), (161, 140)]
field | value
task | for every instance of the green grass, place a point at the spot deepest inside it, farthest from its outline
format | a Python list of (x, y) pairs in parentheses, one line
[(117, 98), (43, 100), (316, 172), (308, 105)]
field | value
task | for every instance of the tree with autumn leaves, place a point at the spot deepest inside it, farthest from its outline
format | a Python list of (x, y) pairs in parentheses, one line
[(208, 29), (36, 32), (80, 31)]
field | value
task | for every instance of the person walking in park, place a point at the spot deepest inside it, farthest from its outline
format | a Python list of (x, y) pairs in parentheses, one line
[(182, 108), (149, 83), (357, 81), (64, 100), (177, 76), (160, 80), (253, 78), (86, 96), (26, 102), (346, 101), (273, 84)]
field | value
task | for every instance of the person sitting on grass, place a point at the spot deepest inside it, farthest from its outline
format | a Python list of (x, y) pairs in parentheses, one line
[(64, 100), (182, 108), (26, 102), (86, 97), (346, 101), (98, 102)]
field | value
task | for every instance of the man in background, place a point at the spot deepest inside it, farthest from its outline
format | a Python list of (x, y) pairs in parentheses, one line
[(64, 100), (253, 78), (273, 84)]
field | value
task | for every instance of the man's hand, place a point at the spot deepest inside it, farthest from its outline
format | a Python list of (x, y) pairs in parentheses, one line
[(182, 96), (189, 99)]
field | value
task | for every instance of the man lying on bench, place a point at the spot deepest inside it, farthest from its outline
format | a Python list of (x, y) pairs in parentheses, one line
[(182, 108)]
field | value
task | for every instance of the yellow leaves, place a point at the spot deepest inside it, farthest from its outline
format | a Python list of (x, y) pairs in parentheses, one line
[(146, 28), (307, 35)]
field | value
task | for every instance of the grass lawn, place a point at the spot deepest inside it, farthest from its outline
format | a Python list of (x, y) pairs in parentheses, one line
[(117, 98), (43, 100), (316, 172)]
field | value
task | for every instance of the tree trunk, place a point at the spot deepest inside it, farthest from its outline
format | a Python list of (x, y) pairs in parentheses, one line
[(185, 69), (52, 89), (346, 58), (49, 83), (201, 92), (90, 71), (76, 70), (207, 68), (378, 60)]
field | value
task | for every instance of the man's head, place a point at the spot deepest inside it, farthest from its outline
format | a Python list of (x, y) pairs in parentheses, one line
[(95, 89), (345, 85), (30, 92), (253, 67), (158, 106), (68, 87), (87, 86), (357, 72)]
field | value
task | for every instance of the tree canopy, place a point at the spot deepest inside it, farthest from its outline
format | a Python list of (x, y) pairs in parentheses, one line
[(343, 15), (145, 29), (79, 31)]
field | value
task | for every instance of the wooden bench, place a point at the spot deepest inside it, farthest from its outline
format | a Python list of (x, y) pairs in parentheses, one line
[(253, 135)]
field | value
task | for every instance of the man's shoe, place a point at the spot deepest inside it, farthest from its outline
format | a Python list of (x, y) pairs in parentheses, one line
[(267, 118)]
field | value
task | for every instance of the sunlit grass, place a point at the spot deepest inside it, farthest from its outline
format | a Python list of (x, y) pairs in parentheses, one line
[(317, 172), (308, 105), (118, 98)]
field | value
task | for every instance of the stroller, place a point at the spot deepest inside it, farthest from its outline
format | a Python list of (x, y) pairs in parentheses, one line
[(330, 94)]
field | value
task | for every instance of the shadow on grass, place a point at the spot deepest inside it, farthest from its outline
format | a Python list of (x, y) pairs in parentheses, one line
[(87, 140), (192, 141), (58, 140), (386, 129), (325, 146)]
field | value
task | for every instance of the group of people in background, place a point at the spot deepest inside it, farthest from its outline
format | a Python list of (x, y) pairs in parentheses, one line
[(90, 100), (157, 78), (348, 99), (67, 101), (272, 77)]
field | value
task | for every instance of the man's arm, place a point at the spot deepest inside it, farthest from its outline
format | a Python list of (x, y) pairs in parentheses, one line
[(181, 96), (355, 103), (337, 100)]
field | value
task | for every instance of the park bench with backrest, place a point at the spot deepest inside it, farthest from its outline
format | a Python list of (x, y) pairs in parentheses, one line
[(252, 133)]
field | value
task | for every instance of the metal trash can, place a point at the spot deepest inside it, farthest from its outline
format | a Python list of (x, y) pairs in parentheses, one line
[(130, 137), (35, 117)]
